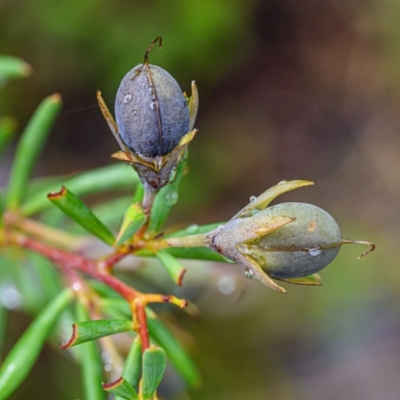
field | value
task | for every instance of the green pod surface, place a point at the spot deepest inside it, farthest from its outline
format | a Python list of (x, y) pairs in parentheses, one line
[(151, 112), (312, 232)]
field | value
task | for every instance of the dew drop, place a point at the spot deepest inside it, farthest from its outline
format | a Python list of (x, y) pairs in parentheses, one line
[(226, 285), (282, 182), (249, 273), (127, 98), (76, 286), (253, 199), (192, 229), (314, 251), (153, 105), (150, 89), (171, 198), (10, 297), (172, 175), (106, 357)]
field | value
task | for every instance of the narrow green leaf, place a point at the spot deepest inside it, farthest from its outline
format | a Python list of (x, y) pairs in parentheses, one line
[(133, 363), (262, 201), (195, 253), (27, 283), (165, 200), (49, 281), (112, 212), (13, 67), (174, 268), (134, 219), (178, 357), (195, 230), (91, 363), (153, 367), (23, 355), (175, 352), (111, 177), (310, 280), (30, 147), (91, 330), (122, 389), (139, 193), (7, 128), (76, 209)]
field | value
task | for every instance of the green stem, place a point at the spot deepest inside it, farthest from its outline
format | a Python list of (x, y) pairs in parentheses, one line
[(200, 240)]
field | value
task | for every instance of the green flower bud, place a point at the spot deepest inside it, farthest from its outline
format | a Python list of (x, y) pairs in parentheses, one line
[(288, 241), (300, 248)]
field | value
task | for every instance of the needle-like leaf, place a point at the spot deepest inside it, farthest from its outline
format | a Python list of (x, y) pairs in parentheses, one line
[(72, 206)]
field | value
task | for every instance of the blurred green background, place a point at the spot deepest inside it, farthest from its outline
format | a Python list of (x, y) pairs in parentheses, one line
[(288, 90)]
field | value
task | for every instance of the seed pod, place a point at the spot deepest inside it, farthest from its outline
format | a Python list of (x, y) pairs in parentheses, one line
[(154, 122), (151, 112), (289, 241), (300, 248)]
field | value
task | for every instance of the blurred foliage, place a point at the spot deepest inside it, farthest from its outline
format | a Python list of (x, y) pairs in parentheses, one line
[(287, 91)]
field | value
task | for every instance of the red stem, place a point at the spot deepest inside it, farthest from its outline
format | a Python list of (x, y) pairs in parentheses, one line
[(69, 260), (112, 259), (142, 320)]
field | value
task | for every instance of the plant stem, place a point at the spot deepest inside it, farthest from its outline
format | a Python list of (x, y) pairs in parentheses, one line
[(200, 240), (148, 200), (69, 260), (40, 231), (140, 312)]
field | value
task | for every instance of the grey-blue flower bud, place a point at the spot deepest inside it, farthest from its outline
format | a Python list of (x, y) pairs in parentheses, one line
[(151, 112)]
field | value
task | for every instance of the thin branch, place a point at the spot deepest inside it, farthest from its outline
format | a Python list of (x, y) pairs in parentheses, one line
[(140, 313), (69, 260)]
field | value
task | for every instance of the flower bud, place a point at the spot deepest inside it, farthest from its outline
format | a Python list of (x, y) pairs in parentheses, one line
[(300, 248), (151, 112), (288, 241), (154, 122)]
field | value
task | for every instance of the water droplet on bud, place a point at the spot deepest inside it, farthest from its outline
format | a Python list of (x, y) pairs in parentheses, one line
[(153, 105), (171, 198), (192, 229), (314, 251), (249, 273), (253, 199), (127, 98), (172, 175), (282, 182)]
